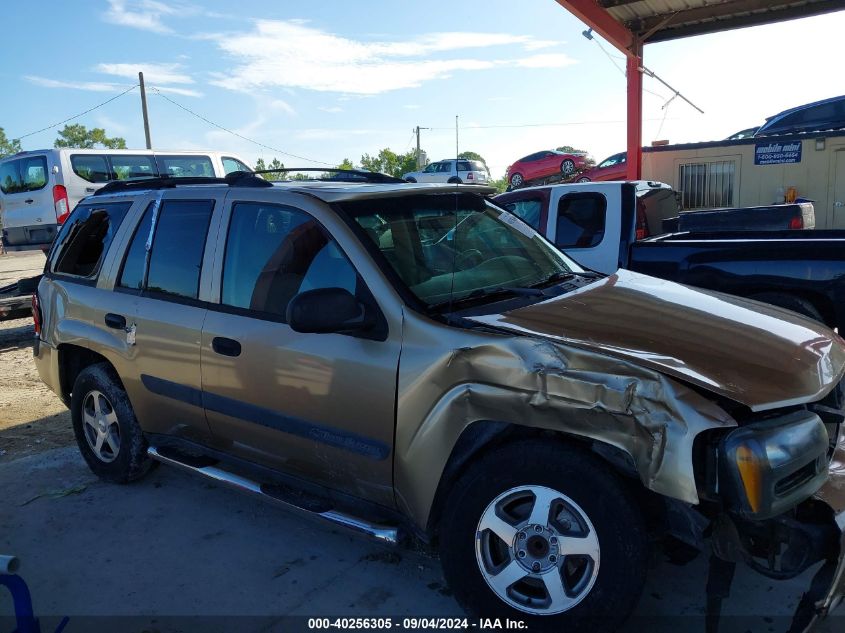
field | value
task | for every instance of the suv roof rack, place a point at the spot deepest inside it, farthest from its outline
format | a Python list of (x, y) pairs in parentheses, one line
[(245, 179), (166, 182)]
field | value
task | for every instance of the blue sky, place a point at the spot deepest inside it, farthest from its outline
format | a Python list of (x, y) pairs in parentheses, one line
[(330, 80)]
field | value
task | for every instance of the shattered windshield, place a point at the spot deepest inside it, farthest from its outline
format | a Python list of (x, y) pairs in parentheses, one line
[(447, 247)]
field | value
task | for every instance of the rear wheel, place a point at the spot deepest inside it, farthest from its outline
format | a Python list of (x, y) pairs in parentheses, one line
[(516, 180), (454, 180), (108, 435), (567, 167), (543, 533), (583, 179)]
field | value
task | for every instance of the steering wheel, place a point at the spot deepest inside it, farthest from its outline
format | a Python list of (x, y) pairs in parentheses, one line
[(469, 259)]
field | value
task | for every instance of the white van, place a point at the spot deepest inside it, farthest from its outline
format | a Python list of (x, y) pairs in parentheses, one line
[(39, 188)]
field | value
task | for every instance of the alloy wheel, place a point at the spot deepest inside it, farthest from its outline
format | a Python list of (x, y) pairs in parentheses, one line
[(99, 422), (537, 550)]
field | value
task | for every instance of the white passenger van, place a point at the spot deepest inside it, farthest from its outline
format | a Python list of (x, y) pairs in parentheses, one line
[(39, 188)]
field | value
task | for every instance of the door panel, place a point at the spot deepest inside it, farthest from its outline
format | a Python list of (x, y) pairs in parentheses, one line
[(167, 323), (318, 406)]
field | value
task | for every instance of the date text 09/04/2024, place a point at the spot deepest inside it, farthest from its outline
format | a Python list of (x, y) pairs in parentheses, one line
[(416, 624)]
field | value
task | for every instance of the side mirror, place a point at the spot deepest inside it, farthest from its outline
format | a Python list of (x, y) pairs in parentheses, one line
[(326, 310)]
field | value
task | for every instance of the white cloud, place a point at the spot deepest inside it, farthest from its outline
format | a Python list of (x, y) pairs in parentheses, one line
[(145, 15), (282, 106), (291, 54), (153, 73), (185, 92), (95, 86), (331, 109)]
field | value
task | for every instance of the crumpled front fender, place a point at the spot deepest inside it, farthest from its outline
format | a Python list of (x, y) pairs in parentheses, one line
[(451, 378)]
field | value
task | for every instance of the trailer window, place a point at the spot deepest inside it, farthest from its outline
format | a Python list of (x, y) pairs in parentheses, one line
[(707, 185)]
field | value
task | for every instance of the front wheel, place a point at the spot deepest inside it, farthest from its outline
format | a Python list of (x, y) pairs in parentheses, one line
[(567, 167), (544, 533), (516, 180), (411, 179)]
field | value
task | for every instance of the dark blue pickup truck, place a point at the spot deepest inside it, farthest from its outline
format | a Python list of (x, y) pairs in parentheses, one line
[(602, 226)]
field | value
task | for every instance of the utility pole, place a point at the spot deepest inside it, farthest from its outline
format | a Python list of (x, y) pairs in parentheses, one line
[(457, 153), (419, 155), (144, 110)]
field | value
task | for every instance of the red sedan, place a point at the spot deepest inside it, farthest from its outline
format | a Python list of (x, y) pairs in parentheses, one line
[(544, 164), (611, 168)]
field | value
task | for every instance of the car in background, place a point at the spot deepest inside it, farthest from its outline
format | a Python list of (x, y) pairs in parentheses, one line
[(39, 188), (611, 168), (455, 171), (544, 164)]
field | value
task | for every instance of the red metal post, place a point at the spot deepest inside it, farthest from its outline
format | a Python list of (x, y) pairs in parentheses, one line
[(635, 112)]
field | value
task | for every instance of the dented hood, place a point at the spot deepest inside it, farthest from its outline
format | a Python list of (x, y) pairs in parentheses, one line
[(759, 355)]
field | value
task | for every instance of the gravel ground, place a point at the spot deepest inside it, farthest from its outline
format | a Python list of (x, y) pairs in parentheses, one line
[(32, 418)]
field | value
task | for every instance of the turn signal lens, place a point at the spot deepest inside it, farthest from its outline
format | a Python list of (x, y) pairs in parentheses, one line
[(749, 470)]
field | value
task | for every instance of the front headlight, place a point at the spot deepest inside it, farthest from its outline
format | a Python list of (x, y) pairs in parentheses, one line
[(769, 467)]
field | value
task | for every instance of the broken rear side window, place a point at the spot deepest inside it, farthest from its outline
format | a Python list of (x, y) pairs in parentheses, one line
[(85, 238)]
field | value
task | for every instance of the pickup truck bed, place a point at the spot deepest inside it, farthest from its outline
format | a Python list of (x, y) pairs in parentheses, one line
[(597, 224)]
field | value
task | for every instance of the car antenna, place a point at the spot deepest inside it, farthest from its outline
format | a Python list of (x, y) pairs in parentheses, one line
[(455, 229)]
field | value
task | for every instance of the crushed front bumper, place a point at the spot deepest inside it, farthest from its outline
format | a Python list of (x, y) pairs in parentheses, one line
[(824, 599)]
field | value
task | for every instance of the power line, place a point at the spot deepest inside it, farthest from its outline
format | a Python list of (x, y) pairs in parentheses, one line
[(233, 133), (76, 116), (523, 125)]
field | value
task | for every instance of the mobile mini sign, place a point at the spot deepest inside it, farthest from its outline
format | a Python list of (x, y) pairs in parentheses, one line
[(777, 153)]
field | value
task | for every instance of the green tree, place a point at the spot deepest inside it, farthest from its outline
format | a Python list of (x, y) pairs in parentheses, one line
[(80, 137), (274, 164), (346, 164), (8, 146), (501, 184), (571, 150), (391, 163)]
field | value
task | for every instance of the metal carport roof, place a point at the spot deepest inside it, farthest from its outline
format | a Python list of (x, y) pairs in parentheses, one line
[(661, 20), (629, 24)]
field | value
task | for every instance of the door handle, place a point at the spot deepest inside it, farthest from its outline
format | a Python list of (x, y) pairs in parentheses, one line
[(115, 321), (29, 200), (226, 346)]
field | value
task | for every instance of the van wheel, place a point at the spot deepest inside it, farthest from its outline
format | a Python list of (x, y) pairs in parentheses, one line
[(108, 435), (544, 533), (790, 302)]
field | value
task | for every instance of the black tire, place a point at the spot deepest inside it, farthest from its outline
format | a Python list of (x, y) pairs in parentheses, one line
[(567, 167), (583, 179), (790, 302), (454, 181), (516, 180), (588, 482), (411, 179), (130, 462)]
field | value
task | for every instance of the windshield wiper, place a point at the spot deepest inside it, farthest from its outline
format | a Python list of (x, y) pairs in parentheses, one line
[(484, 293)]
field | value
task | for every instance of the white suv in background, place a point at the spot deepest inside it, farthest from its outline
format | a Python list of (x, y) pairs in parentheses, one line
[(39, 188), (471, 172)]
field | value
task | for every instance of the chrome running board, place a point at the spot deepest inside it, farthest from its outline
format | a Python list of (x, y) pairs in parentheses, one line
[(384, 534)]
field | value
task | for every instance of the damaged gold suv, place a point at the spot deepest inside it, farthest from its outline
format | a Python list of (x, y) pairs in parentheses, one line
[(412, 359)]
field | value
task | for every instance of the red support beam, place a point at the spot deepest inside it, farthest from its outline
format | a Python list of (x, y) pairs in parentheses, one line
[(598, 19), (603, 23), (635, 114)]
